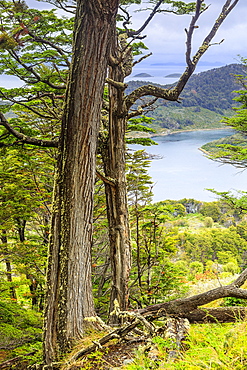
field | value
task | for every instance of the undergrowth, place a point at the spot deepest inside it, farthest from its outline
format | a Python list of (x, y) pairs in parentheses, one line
[(209, 346), (21, 332)]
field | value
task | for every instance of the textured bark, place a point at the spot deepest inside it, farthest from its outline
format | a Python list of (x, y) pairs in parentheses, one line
[(113, 155), (69, 290), (219, 314)]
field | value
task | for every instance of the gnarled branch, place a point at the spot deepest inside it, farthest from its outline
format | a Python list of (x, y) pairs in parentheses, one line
[(173, 94)]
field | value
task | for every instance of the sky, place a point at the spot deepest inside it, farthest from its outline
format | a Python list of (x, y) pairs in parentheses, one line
[(166, 35), (166, 39)]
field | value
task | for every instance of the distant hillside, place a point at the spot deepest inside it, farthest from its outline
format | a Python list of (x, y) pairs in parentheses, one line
[(206, 98)]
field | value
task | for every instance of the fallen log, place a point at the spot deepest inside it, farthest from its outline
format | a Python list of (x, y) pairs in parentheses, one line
[(177, 330), (183, 306), (179, 309), (219, 314)]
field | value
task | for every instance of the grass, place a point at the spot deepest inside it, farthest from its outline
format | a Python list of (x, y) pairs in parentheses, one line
[(209, 346)]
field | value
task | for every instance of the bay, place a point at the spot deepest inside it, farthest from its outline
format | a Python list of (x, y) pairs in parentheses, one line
[(183, 170)]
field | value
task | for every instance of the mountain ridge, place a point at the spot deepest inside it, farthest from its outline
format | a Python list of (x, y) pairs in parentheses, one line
[(206, 99)]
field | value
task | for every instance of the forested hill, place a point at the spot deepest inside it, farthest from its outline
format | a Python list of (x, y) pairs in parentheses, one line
[(206, 98)]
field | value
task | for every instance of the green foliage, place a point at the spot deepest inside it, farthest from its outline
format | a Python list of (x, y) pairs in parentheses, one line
[(232, 301), (167, 283), (233, 150), (178, 209), (26, 182), (211, 209), (179, 118), (128, 2), (209, 346), (208, 222), (196, 267), (231, 267), (137, 48), (236, 201), (177, 7), (140, 124), (209, 243), (139, 183), (7, 42), (21, 330), (40, 59)]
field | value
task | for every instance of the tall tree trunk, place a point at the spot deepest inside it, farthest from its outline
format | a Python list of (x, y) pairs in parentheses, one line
[(4, 240), (113, 156), (21, 225), (69, 290)]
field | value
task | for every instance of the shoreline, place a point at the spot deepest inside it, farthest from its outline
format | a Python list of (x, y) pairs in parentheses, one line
[(196, 129), (170, 132)]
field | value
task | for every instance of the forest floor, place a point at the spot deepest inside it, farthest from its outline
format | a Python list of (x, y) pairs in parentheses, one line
[(110, 357), (114, 356)]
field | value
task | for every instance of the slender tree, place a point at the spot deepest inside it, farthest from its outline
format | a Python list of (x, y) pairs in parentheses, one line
[(121, 108)]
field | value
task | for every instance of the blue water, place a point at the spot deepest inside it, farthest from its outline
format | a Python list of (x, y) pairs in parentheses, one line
[(184, 171)]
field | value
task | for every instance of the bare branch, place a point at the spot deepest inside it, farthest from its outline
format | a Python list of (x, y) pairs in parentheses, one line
[(105, 179), (141, 59), (190, 32), (191, 65), (158, 92), (145, 24), (173, 94), (143, 108), (118, 85)]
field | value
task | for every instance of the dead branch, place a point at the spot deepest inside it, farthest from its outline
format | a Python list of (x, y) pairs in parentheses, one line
[(179, 309), (141, 59), (150, 17), (117, 333), (148, 106), (177, 330), (116, 84), (106, 180), (173, 94)]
